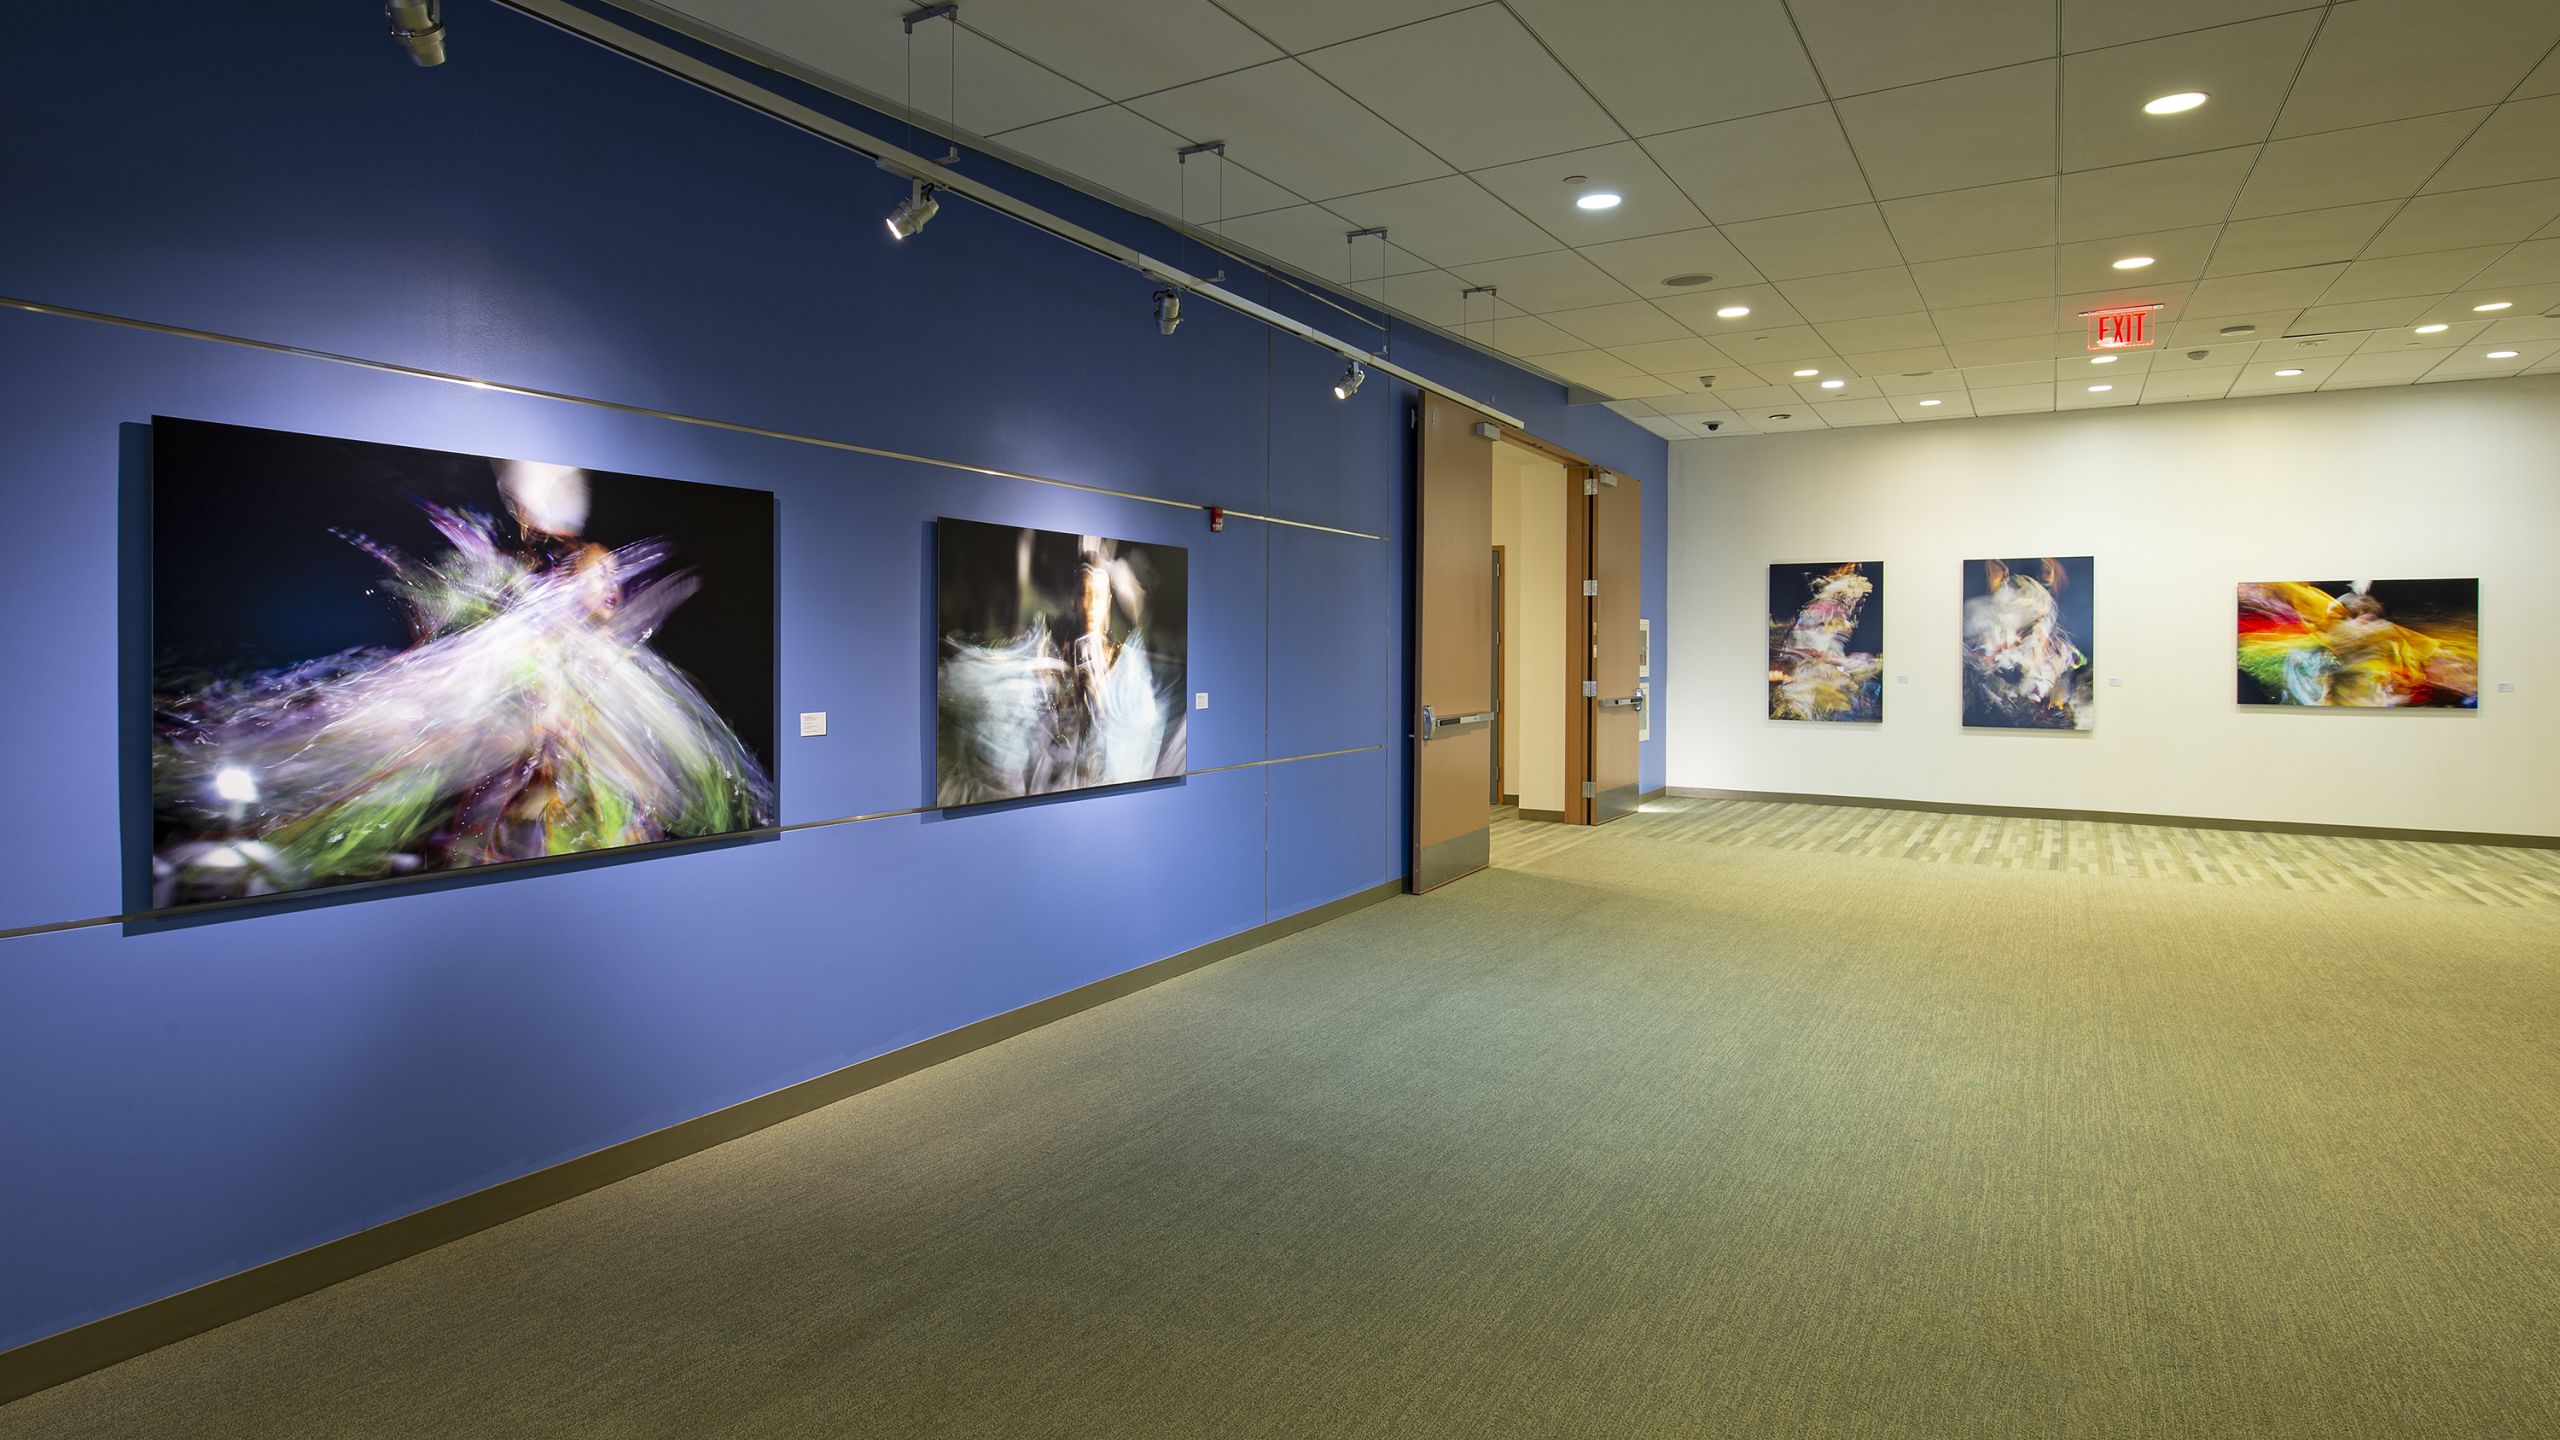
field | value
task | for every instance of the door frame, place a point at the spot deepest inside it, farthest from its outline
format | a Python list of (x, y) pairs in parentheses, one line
[(1501, 698)]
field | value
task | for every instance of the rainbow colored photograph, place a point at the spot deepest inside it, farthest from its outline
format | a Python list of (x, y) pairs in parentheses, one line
[(2360, 644)]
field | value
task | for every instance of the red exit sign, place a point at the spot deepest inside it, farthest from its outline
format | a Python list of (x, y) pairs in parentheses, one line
[(2127, 327)]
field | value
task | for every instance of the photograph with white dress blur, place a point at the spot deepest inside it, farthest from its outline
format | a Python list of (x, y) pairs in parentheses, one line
[(1063, 665)]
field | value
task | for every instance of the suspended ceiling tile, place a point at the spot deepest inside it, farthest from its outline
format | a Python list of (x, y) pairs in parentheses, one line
[(2096, 369), (1861, 46), (1933, 382), (1669, 64), (2500, 213), (2430, 274), (2545, 79), (2261, 377), (1450, 221), (2473, 362), (2360, 315), (1556, 280), (1832, 388), (2015, 216), (1766, 347), (1818, 242), (866, 46), (2363, 370), (1690, 356), (1264, 115), (1296, 25), (1773, 164), (2169, 387), (1131, 47), (1629, 322), (2177, 256), (2523, 327), (2403, 339), (2391, 59), (2306, 237), (1641, 386), (1690, 406), (1952, 404), (1791, 373), (1649, 203), (1697, 309), (1310, 237), (1842, 414), (1124, 153), (1853, 294), (1667, 429), (1642, 264), (2519, 141), (1952, 134), (2070, 311), (1800, 416), (1760, 399), (2520, 300), (2264, 325), (1588, 367), (2091, 24), (1475, 87), (2103, 394), (1989, 377), (1433, 295), (2153, 194), (2013, 400), (2242, 67), (1978, 280), (2267, 290), (1880, 332), (1526, 336), (1901, 363), (2535, 262), (1632, 409), (2295, 350), (2008, 318), (2008, 350), (1214, 191), (2347, 167)]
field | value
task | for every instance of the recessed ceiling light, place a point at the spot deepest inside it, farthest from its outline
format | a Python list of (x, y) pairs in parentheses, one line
[(2104, 359), (2287, 374), (1782, 415), (2492, 305), (1925, 403), (2502, 354), (2100, 389), (2183, 101), (1733, 312), (2133, 262), (2436, 329), (1836, 384), (1684, 281), (2239, 330), (1807, 374), (1599, 200)]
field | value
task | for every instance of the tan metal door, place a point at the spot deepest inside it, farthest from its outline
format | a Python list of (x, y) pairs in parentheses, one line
[(1616, 532), (1452, 645)]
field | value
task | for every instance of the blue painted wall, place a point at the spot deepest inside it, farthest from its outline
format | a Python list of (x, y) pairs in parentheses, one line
[(184, 1101)]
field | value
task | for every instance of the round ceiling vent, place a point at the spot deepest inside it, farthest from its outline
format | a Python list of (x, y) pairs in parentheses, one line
[(1685, 281)]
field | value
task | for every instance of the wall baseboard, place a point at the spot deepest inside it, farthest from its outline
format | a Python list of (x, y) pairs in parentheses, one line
[(42, 1364), (1551, 816), (2130, 817)]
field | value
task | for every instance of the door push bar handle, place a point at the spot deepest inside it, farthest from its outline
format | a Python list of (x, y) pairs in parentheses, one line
[(1435, 726), (1623, 702)]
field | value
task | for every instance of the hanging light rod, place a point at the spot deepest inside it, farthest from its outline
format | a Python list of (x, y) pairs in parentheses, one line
[(1205, 147), (914, 18), (945, 181)]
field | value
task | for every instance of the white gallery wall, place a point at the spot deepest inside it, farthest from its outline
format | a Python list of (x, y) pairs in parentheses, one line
[(2177, 504)]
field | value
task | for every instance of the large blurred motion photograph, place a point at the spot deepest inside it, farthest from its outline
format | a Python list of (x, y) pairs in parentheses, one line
[(372, 661), (1063, 662)]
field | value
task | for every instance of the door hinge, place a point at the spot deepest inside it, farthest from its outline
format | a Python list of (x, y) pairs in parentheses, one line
[(1591, 689), (1590, 791), (1590, 587)]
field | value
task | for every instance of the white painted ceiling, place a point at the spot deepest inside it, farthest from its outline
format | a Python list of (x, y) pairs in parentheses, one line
[(1917, 197)]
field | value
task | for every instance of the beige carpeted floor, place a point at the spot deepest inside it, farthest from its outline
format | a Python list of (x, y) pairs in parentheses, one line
[(1657, 1132)]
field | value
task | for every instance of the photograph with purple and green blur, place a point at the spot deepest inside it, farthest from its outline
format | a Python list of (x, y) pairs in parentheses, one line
[(373, 660)]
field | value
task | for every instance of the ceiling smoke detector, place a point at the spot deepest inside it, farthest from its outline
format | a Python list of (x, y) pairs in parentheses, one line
[(1706, 382)]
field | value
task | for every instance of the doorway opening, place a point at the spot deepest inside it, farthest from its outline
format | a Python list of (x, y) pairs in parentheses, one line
[(1530, 521)]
